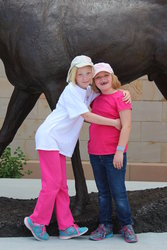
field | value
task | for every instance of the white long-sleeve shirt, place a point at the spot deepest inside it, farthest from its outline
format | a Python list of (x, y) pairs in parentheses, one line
[(60, 130)]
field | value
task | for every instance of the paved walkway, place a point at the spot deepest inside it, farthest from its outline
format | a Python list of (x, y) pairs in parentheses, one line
[(147, 241), (30, 189)]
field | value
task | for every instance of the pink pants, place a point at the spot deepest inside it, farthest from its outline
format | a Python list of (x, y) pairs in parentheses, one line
[(54, 192)]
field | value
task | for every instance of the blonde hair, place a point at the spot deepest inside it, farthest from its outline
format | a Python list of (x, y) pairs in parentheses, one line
[(73, 73), (115, 84)]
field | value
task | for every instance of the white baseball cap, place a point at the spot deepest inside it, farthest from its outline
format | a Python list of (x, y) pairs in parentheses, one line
[(99, 67), (79, 62)]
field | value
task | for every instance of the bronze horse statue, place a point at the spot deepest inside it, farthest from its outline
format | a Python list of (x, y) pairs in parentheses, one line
[(39, 38)]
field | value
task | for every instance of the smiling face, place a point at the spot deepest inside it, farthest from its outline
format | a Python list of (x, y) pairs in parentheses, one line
[(84, 76), (103, 81)]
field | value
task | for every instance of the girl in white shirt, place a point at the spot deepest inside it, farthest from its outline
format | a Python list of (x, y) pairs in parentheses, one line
[(55, 139)]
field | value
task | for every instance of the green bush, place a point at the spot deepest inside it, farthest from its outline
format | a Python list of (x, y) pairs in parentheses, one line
[(12, 166)]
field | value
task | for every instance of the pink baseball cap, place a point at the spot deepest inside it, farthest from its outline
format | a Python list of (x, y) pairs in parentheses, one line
[(99, 67)]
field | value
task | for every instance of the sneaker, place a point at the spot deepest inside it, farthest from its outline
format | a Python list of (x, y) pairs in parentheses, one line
[(129, 234), (102, 232), (71, 232), (38, 231)]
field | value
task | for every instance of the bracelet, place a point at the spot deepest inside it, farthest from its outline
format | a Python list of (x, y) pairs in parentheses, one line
[(120, 148)]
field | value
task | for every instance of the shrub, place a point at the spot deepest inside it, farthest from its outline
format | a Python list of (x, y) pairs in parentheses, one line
[(12, 166)]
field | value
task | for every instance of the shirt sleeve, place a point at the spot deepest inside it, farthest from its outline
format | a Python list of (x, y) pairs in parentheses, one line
[(121, 105), (74, 104)]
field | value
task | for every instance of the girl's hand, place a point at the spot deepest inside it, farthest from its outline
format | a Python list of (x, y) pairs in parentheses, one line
[(118, 160), (127, 96), (117, 124)]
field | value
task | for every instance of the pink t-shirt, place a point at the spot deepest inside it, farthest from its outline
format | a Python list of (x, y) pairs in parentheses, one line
[(104, 139)]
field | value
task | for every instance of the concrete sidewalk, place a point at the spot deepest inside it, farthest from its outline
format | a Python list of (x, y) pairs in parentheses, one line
[(147, 241), (26, 189), (29, 188)]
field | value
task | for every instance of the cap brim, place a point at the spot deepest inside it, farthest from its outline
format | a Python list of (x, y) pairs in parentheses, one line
[(102, 70), (80, 65)]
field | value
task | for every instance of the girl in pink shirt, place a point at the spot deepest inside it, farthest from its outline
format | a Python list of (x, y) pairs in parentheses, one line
[(107, 149)]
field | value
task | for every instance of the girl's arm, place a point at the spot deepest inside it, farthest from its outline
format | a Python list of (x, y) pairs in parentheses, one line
[(97, 119), (125, 117)]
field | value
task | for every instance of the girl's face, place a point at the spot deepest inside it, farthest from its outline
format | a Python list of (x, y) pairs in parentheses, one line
[(84, 76), (103, 81)]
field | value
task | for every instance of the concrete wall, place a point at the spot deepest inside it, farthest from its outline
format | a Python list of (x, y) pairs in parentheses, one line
[(148, 140)]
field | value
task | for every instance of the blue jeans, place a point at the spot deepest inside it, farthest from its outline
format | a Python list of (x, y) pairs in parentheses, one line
[(111, 184)]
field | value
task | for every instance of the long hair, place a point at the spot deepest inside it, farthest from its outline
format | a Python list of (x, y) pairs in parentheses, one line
[(72, 76)]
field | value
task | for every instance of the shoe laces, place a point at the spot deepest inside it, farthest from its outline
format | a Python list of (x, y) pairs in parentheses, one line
[(76, 228), (42, 227), (128, 230), (101, 230)]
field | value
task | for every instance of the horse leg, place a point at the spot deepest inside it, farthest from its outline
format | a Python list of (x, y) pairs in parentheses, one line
[(82, 197), (20, 105), (52, 94), (160, 80)]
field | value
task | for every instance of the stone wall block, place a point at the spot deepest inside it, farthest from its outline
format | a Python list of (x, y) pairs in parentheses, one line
[(154, 131), (144, 152), (146, 111), (6, 88), (164, 111)]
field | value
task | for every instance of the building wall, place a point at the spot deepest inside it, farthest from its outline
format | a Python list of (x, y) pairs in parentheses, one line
[(148, 139)]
